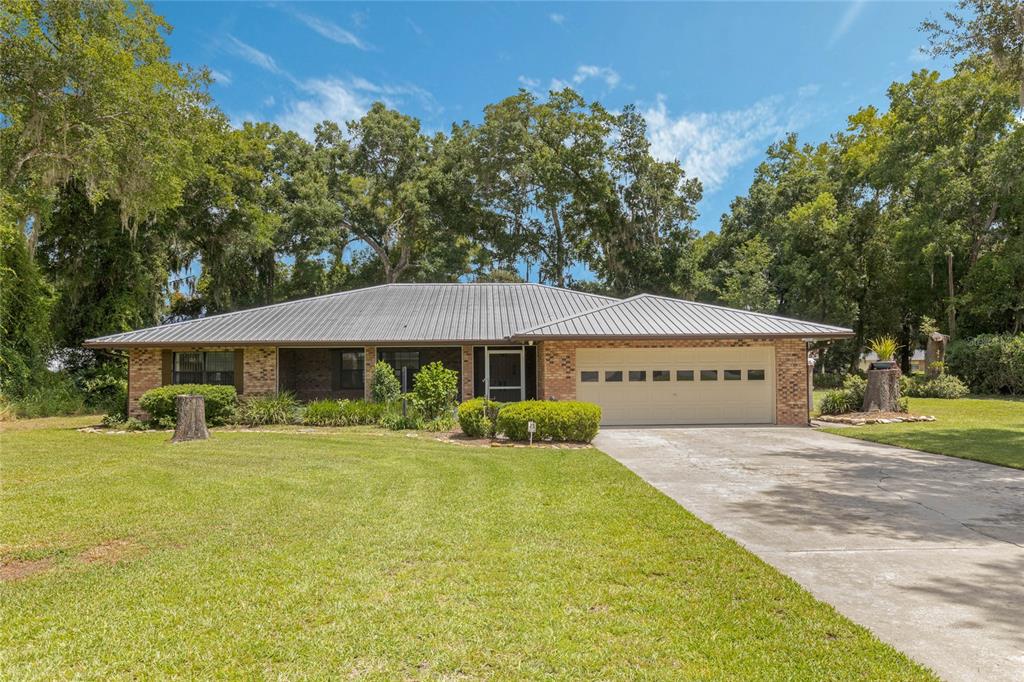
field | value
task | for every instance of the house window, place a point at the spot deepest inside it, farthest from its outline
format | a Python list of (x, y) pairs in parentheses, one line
[(661, 375), (638, 375), (204, 367), (398, 359), (613, 375), (755, 375), (684, 375), (588, 377), (732, 374), (352, 369), (709, 375)]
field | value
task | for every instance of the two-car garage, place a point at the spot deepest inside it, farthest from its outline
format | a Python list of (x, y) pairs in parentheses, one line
[(679, 385)]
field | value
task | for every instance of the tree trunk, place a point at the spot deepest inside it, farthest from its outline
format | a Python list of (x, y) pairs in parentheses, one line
[(883, 391), (191, 423)]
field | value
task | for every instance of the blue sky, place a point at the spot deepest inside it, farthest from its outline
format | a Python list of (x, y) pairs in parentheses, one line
[(716, 82)]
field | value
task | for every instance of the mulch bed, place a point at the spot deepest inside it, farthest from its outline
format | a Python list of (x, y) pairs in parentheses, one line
[(862, 418)]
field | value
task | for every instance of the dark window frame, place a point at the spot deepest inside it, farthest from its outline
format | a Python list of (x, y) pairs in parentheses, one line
[(609, 373), (704, 375), (638, 375), (761, 372), (666, 375), (203, 376), (352, 379), (736, 374), (586, 374), (684, 375)]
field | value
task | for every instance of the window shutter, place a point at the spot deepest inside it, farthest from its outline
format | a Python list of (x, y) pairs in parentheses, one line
[(240, 371), (166, 362)]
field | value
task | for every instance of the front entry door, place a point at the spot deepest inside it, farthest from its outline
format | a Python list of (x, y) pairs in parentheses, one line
[(506, 379)]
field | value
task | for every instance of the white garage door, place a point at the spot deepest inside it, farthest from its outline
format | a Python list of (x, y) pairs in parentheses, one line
[(679, 385)]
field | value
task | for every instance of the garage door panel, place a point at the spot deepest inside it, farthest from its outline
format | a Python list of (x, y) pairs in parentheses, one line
[(745, 400)]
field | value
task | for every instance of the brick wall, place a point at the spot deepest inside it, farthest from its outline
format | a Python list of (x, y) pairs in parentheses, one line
[(467, 372), (145, 371), (556, 369), (260, 371)]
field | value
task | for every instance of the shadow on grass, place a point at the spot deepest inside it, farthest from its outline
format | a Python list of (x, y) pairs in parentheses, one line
[(1004, 447)]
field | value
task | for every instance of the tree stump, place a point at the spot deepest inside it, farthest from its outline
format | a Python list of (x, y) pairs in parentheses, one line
[(935, 353), (883, 391), (191, 423)]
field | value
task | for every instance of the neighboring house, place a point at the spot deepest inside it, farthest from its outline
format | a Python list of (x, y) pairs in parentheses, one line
[(644, 360), (917, 361)]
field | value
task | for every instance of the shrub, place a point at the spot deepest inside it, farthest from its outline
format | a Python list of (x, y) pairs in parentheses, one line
[(385, 388), (362, 412), (108, 393), (53, 394), (991, 363), (113, 420), (478, 417), (849, 398), (828, 379), (942, 386), (833, 402), (396, 422), (279, 408), (560, 421), (220, 401), (435, 391), (323, 413)]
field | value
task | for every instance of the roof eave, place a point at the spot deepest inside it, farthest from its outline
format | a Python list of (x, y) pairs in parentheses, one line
[(817, 336)]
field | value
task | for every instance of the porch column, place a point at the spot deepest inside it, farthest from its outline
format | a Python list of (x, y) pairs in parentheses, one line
[(369, 360), (467, 372)]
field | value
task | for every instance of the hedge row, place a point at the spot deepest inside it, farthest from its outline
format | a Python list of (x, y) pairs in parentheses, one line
[(991, 363), (220, 402), (569, 420)]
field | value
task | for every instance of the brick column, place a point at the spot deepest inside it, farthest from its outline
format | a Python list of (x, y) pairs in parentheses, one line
[(467, 372), (260, 371), (791, 382), (145, 371), (557, 370), (369, 360)]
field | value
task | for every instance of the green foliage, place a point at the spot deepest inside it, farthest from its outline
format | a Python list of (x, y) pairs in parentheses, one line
[(385, 388), (219, 401), (990, 363), (107, 392), (849, 398), (51, 394), (942, 386), (884, 347), (747, 281), (322, 413), (435, 391), (25, 302), (395, 421), (556, 420), (279, 408), (345, 412), (478, 417), (828, 380)]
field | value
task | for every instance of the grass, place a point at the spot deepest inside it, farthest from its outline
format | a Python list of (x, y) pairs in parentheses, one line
[(383, 556), (983, 429)]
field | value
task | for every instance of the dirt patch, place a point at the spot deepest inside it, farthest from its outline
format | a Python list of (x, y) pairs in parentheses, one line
[(19, 569), (109, 552)]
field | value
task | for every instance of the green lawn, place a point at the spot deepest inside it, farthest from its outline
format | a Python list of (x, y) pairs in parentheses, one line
[(383, 556), (985, 429)]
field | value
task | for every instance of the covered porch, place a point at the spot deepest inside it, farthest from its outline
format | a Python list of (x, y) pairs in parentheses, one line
[(505, 373)]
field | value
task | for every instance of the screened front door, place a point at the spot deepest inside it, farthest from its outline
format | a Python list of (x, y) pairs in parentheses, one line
[(506, 376)]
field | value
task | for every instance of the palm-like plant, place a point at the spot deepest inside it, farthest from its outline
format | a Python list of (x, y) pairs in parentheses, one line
[(884, 347)]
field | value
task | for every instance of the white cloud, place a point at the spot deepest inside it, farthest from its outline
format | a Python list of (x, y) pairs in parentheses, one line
[(345, 100), (919, 55), (330, 99), (529, 83), (269, 101), (609, 75), (846, 21), (557, 18), (331, 31), (809, 90), (710, 145), (221, 77), (252, 55)]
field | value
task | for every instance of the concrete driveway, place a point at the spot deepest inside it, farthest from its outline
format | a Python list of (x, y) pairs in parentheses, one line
[(927, 551)]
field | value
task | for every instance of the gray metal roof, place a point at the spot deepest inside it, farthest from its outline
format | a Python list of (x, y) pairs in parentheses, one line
[(461, 313), (658, 316), (392, 313)]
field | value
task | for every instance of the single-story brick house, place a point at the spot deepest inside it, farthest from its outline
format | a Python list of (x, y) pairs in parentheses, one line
[(645, 359)]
